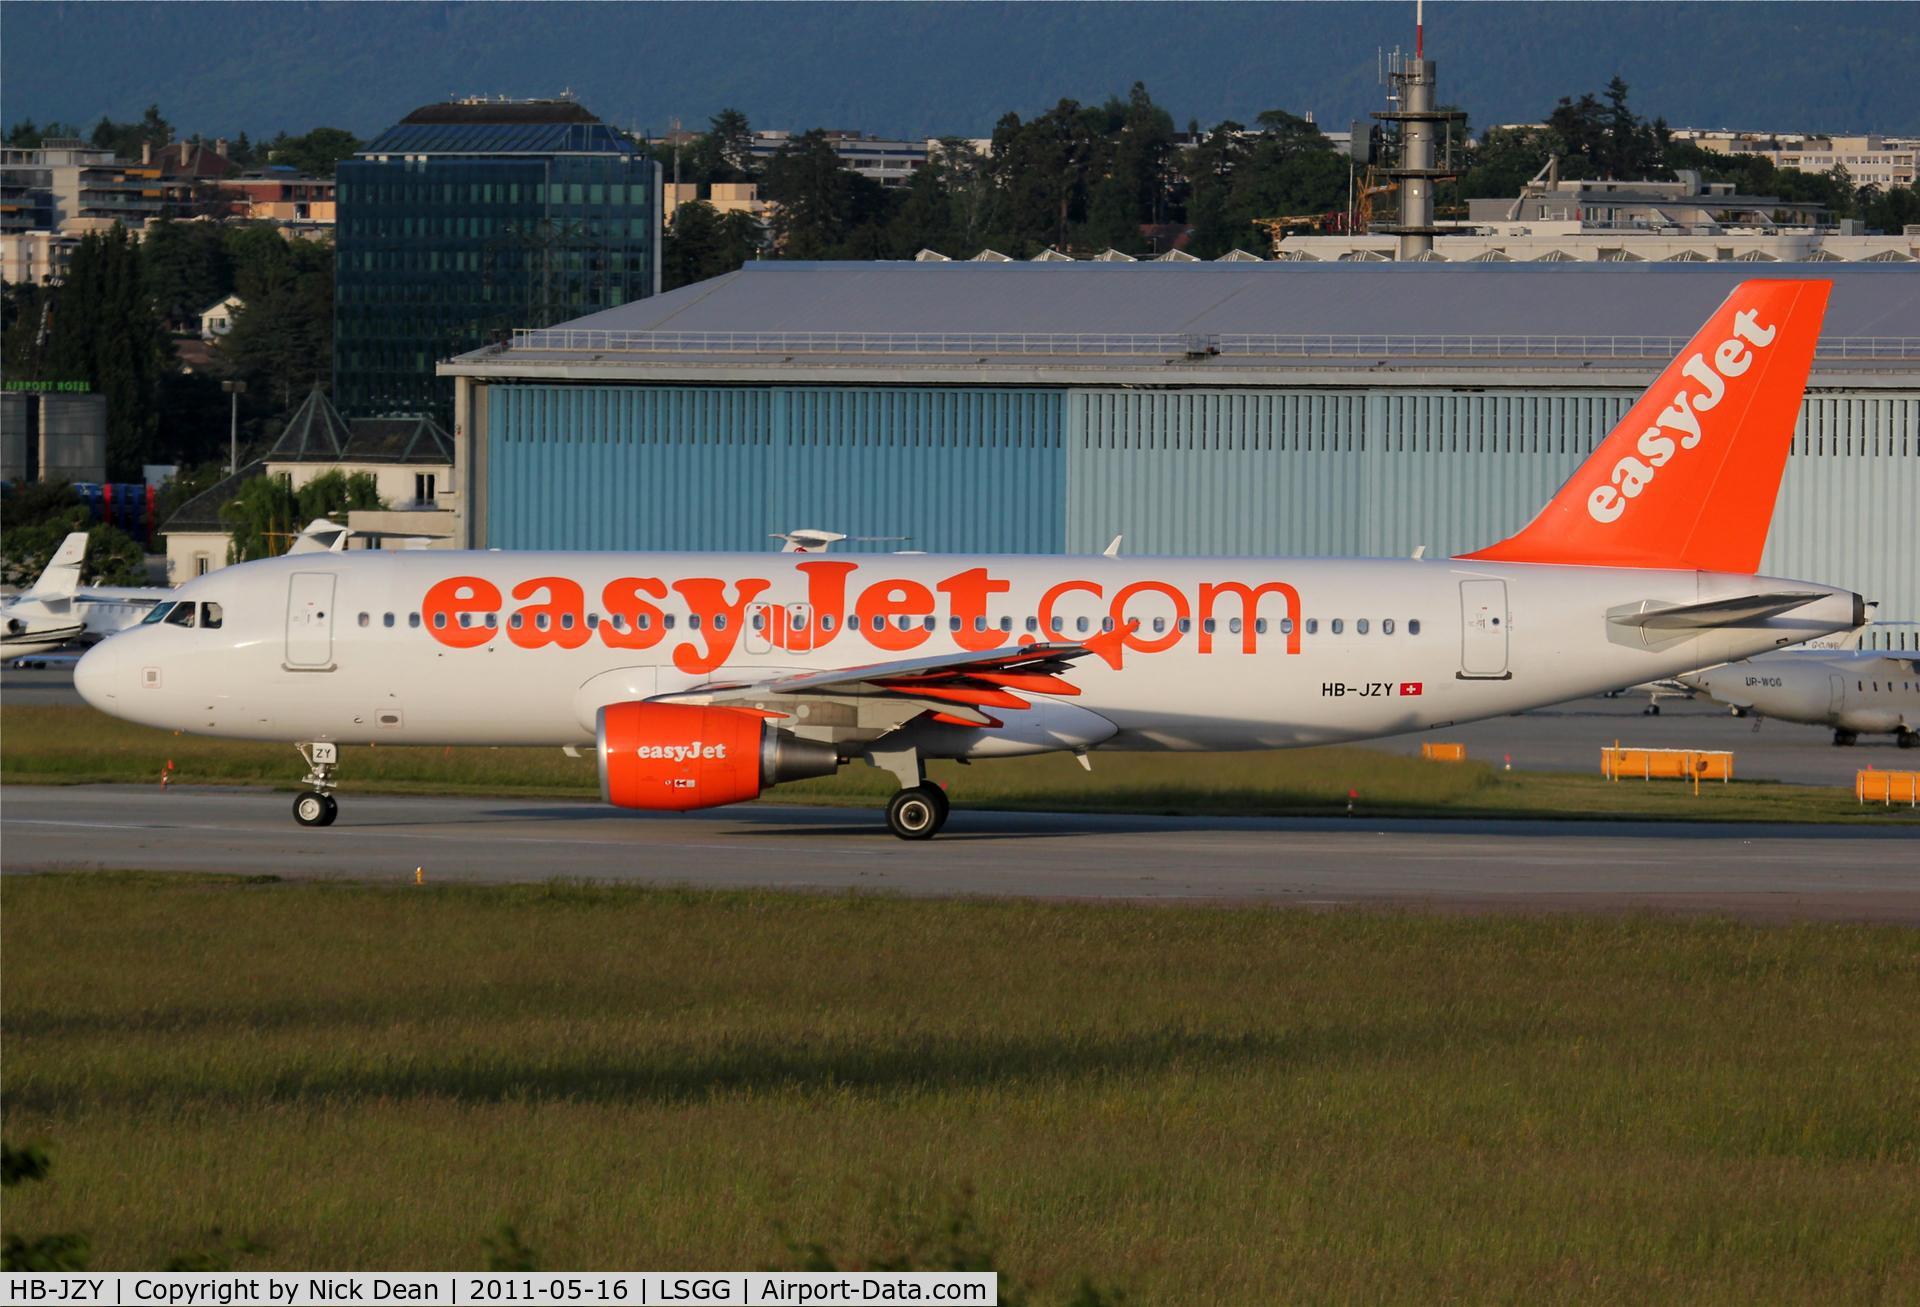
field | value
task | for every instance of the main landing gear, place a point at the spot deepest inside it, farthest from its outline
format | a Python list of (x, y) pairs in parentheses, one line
[(918, 809), (917, 812), (1843, 738), (316, 807)]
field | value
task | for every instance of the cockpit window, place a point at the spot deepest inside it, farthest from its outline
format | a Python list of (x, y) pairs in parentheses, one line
[(210, 616), (158, 614), (182, 615)]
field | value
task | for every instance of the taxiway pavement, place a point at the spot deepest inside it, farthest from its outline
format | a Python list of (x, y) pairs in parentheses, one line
[(1755, 871)]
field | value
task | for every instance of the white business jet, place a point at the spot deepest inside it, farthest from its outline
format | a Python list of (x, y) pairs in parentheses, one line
[(56, 610), (702, 679)]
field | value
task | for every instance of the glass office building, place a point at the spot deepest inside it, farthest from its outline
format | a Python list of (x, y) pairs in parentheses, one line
[(469, 219)]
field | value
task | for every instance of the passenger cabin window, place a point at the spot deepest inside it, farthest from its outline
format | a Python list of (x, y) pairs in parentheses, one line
[(1033, 623), (366, 619), (413, 619), (1286, 626), (1208, 625), (1186, 624), (1361, 626), (1386, 627), (1413, 627), (1313, 626), (386, 619), (1080, 625), (182, 615), (1338, 626), (211, 616)]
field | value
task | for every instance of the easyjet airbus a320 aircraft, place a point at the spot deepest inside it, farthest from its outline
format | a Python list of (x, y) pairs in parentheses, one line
[(704, 678)]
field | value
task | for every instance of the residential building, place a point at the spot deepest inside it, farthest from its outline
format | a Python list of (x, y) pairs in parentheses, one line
[(1871, 159), (727, 197), (409, 455), (35, 257), (283, 195), (888, 162), (72, 188), (469, 219), (218, 320)]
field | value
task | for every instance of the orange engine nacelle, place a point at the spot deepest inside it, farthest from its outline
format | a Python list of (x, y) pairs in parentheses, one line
[(675, 756)]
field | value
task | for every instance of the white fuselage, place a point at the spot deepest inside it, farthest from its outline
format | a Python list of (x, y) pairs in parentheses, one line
[(1375, 647), (1864, 692)]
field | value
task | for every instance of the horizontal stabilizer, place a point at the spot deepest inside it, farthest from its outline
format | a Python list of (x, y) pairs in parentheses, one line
[(1717, 612)]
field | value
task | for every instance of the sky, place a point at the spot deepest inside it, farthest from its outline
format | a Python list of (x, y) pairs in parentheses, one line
[(918, 69)]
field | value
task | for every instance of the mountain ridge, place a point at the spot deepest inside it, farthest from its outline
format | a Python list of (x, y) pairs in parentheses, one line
[(912, 69)]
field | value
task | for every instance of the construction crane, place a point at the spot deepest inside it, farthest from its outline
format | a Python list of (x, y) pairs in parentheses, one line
[(1332, 224)]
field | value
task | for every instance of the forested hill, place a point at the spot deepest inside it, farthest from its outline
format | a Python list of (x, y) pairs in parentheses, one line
[(919, 69)]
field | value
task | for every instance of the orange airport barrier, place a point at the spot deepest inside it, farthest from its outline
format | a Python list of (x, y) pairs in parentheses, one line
[(1444, 752), (1666, 764), (1888, 786)]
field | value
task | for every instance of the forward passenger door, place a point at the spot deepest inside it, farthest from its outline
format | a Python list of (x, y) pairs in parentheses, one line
[(310, 621)]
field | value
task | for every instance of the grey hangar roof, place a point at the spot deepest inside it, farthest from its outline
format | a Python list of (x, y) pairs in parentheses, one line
[(1197, 324)]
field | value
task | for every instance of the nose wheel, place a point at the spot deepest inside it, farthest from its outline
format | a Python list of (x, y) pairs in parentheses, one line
[(315, 809), (917, 812)]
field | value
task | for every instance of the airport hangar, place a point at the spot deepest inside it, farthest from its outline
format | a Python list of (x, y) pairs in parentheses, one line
[(1190, 408)]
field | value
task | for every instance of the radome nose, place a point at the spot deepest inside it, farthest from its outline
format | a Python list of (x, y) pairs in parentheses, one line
[(96, 676)]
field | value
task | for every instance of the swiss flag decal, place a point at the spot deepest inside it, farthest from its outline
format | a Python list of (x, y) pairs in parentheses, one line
[(1410, 687)]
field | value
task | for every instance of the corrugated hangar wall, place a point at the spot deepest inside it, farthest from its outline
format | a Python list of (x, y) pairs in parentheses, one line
[(1222, 471)]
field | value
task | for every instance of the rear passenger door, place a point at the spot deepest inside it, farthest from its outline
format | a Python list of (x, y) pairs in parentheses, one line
[(310, 620)]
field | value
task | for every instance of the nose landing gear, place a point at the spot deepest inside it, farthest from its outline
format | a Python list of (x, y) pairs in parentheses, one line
[(316, 807)]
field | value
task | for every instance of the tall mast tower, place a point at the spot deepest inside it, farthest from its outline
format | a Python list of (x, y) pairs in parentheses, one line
[(1411, 85)]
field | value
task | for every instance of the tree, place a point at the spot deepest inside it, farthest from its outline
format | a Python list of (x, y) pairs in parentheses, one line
[(39, 517), (103, 331), (1131, 190), (126, 139), (1043, 166), (25, 135), (188, 267), (724, 152), (820, 203), (240, 152), (703, 243), (316, 153), (268, 512), (1237, 177), (282, 336)]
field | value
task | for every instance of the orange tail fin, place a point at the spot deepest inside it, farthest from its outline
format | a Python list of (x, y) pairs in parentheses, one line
[(1689, 477)]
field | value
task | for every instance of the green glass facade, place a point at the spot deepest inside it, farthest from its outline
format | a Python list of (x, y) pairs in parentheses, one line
[(441, 253)]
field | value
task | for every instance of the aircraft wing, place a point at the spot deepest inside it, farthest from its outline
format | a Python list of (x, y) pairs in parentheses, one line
[(1717, 612), (954, 687)]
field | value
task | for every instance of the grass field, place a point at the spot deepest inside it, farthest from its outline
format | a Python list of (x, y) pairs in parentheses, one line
[(60, 745), (1196, 1106)]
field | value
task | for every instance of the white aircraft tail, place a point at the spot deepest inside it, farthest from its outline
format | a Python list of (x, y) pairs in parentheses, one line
[(62, 577), (320, 536)]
